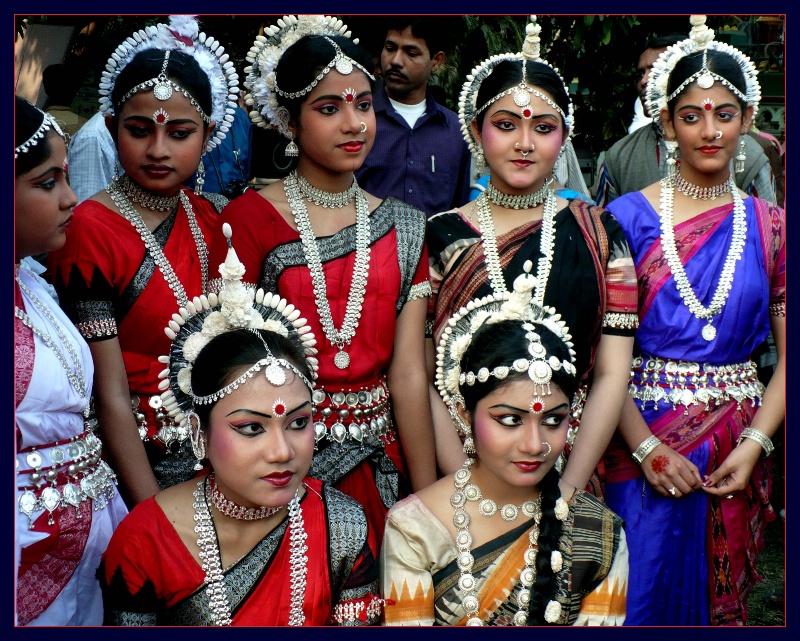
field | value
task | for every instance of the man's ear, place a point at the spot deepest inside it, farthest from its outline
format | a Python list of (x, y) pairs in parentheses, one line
[(438, 60)]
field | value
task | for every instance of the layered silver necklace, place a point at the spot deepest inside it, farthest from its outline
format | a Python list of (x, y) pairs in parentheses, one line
[(236, 511), (74, 370), (670, 249), (702, 193), (516, 201), (547, 243), (327, 199), (211, 560), (136, 194), (151, 244), (466, 562), (358, 284)]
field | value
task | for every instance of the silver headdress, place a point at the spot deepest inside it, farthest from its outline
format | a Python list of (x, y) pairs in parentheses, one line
[(237, 306), (468, 108), (181, 34), (494, 308), (48, 123), (261, 81), (701, 38)]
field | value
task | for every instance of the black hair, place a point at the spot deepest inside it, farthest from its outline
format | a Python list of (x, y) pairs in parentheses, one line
[(225, 355), (436, 31), (509, 73), (27, 121), (60, 84), (182, 69), (662, 42), (306, 58), (544, 588), (719, 62), (502, 343)]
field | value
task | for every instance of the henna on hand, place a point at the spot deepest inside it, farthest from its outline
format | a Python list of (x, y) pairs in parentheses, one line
[(659, 464)]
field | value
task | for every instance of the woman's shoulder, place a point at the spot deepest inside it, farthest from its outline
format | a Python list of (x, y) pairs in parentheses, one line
[(401, 210), (591, 514), (251, 202)]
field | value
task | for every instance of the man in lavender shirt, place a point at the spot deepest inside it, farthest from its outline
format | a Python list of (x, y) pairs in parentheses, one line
[(419, 155)]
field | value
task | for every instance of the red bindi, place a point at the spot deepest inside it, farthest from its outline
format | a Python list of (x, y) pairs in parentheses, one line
[(527, 113), (708, 106), (659, 464), (538, 407)]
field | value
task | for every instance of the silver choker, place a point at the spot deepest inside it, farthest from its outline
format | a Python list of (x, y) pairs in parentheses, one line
[(516, 201), (702, 193), (327, 199), (236, 511), (140, 196)]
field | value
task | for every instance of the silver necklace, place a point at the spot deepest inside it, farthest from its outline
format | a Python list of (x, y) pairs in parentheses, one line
[(516, 201), (151, 244), (211, 560), (487, 507), (144, 198), (236, 511), (358, 285), (676, 267), (466, 562), (547, 243), (74, 372), (703, 193), (327, 199)]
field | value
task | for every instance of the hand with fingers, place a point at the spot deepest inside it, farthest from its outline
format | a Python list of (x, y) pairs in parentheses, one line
[(671, 473), (734, 472)]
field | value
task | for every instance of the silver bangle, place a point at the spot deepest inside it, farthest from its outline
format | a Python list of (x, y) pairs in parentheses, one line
[(759, 437), (645, 447)]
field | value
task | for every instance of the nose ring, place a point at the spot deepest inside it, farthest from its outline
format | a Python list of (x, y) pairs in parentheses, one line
[(363, 128), (719, 135), (524, 153), (549, 449)]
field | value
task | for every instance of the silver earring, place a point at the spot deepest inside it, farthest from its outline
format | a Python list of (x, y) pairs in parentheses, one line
[(480, 161), (741, 157), (672, 157), (201, 178), (363, 128), (292, 150), (197, 440)]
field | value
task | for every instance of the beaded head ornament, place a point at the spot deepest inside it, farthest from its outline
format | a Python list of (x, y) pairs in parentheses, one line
[(494, 308), (261, 81), (237, 306), (181, 34), (48, 123), (701, 39), (468, 109)]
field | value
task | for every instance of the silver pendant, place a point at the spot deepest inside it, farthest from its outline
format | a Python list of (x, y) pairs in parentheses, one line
[(162, 89), (709, 332), (342, 359)]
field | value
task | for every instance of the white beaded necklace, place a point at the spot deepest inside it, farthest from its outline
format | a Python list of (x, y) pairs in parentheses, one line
[(670, 249), (151, 244), (487, 507), (211, 560), (358, 285), (547, 243), (73, 371), (466, 562)]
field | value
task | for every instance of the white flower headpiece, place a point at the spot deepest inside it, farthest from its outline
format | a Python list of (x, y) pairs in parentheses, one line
[(494, 308), (181, 34), (264, 55), (467, 103), (701, 38), (237, 306), (48, 123)]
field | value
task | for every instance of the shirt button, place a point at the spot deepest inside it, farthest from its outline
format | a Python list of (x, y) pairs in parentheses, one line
[(410, 190), (410, 162)]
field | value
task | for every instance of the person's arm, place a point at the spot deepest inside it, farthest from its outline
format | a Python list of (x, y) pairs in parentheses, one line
[(734, 472), (464, 180), (602, 409), (763, 185), (406, 580), (408, 386), (118, 429)]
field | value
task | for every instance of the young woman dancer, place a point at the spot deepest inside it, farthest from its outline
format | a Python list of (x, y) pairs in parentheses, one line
[(356, 264), (141, 244), (711, 266)]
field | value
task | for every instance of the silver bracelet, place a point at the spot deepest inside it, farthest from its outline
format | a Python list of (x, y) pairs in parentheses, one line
[(759, 437), (645, 447)]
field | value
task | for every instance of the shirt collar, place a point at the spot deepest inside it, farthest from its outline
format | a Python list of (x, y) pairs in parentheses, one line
[(380, 103)]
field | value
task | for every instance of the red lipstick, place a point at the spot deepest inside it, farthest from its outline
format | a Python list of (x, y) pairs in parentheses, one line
[(278, 479), (528, 466)]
